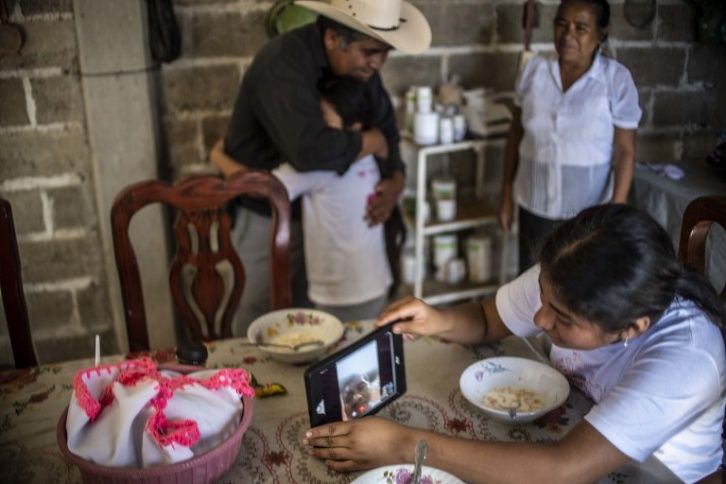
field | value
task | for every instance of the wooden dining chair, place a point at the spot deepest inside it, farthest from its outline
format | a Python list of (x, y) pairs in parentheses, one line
[(698, 218), (206, 275), (11, 286)]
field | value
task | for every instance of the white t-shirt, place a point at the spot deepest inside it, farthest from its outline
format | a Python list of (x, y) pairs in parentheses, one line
[(663, 394), (566, 151), (345, 259)]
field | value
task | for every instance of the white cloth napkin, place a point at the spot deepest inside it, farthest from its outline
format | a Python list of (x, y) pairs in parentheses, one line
[(132, 415)]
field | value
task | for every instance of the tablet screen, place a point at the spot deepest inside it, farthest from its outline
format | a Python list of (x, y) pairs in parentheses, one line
[(358, 380)]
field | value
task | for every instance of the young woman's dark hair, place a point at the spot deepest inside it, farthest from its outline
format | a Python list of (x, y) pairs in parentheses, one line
[(612, 264), (348, 96), (601, 9)]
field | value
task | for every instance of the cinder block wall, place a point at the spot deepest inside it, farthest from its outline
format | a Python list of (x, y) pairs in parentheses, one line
[(45, 168), (678, 79), (45, 173)]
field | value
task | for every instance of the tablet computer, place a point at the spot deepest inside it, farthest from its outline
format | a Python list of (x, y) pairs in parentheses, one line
[(358, 380)]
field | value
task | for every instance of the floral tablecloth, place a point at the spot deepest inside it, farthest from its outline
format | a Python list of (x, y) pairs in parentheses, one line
[(32, 400)]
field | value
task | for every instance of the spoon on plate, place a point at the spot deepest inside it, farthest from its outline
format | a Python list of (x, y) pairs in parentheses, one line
[(296, 347), (422, 449)]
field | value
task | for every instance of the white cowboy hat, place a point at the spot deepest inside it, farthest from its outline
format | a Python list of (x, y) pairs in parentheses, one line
[(394, 22)]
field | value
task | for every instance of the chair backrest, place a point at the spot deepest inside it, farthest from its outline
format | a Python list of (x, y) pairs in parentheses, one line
[(698, 218), (11, 285), (206, 275)]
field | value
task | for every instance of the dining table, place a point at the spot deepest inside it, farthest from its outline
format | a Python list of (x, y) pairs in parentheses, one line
[(32, 400)]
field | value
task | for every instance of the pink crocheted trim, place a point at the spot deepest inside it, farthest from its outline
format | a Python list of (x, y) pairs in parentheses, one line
[(167, 432), (131, 372), (139, 368), (237, 378), (186, 432)]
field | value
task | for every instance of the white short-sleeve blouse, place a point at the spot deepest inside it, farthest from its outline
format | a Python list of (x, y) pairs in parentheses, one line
[(662, 395), (565, 156)]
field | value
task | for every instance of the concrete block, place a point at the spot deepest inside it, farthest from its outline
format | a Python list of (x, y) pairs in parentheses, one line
[(492, 71), (13, 111), (182, 142), (49, 310), (400, 73), (72, 207), (57, 99), (656, 147), (675, 108), (35, 7), (698, 144), (460, 23), (213, 128), (703, 60), (676, 22), (644, 97), (112, 36), (201, 88), (27, 210), (509, 23), (194, 169), (494, 159), (654, 66), (49, 43), (43, 153), (62, 348), (714, 99), (621, 30), (226, 34), (93, 306), (462, 167), (207, 2), (54, 260)]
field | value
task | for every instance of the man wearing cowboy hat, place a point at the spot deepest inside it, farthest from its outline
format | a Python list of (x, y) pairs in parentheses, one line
[(277, 117)]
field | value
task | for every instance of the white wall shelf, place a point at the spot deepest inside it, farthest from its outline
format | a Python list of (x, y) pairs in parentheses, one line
[(472, 213)]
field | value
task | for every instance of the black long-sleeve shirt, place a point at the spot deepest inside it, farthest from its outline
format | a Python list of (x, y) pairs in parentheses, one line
[(277, 116)]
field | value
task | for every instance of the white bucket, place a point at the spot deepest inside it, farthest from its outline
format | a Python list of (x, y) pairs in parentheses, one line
[(445, 249), (479, 258)]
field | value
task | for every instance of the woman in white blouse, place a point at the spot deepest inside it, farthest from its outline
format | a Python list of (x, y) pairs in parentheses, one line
[(574, 125)]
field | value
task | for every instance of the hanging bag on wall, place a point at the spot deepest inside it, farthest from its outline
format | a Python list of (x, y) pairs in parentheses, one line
[(164, 33), (11, 35)]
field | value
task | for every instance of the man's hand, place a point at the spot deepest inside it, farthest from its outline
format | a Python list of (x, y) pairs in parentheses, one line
[(385, 199)]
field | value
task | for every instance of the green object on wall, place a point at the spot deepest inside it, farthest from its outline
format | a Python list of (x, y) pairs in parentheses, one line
[(284, 16)]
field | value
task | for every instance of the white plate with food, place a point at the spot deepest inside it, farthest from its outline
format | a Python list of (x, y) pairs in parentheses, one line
[(402, 473), (512, 389), (293, 327)]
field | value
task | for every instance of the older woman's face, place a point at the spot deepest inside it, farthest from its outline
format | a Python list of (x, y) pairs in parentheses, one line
[(576, 33)]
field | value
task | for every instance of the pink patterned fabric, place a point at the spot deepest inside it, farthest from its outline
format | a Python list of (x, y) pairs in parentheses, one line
[(141, 389), (129, 373)]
